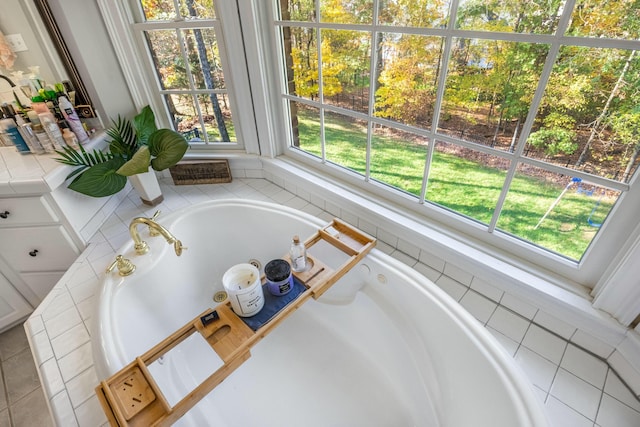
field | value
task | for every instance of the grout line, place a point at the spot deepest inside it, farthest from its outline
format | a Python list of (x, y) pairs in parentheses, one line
[(486, 324), (568, 342), (555, 375), (602, 396), (6, 394)]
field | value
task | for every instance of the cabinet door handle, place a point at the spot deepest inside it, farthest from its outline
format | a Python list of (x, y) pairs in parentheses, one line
[(33, 252), (4, 214)]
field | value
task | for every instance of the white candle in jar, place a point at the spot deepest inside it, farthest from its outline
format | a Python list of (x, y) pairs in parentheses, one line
[(244, 290)]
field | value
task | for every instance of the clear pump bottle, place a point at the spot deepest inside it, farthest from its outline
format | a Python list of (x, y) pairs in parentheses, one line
[(298, 254)]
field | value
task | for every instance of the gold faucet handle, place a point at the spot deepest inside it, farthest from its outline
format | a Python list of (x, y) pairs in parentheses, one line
[(179, 248), (152, 231), (125, 267)]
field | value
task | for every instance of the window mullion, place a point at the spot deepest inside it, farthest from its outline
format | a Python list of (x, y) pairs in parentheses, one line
[(192, 86), (373, 78), (320, 89), (544, 79), (442, 79), (170, 25), (533, 110), (524, 133)]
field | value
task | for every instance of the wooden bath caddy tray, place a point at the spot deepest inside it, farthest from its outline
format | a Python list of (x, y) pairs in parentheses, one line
[(131, 397)]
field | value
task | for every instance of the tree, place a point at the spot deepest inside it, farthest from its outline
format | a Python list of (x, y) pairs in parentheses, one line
[(626, 127), (207, 74), (406, 92), (595, 126)]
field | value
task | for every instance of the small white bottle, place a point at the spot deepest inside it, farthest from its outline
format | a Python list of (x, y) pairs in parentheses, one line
[(70, 138), (298, 254)]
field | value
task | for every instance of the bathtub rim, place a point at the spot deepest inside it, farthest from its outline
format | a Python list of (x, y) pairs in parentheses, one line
[(528, 406)]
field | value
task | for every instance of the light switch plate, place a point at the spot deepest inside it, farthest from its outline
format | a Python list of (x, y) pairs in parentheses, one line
[(16, 42)]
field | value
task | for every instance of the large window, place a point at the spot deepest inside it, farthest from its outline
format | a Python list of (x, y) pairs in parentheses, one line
[(184, 50), (512, 125), (521, 116)]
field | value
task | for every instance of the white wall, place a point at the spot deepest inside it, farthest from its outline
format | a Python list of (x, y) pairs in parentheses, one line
[(86, 37)]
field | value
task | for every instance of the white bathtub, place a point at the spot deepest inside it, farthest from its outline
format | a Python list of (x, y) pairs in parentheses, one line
[(383, 347)]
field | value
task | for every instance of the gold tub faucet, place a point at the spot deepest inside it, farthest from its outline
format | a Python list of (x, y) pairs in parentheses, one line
[(155, 229)]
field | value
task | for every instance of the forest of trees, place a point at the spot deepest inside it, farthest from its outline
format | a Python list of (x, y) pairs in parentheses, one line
[(589, 116)]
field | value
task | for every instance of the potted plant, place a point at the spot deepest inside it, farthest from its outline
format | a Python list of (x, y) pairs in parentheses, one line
[(135, 147)]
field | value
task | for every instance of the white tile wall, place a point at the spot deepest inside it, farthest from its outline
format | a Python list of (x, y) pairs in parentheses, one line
[(577, 388)]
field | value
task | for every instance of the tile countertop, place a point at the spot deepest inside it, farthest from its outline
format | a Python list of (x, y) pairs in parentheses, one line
[(40, 173), (58, 333)]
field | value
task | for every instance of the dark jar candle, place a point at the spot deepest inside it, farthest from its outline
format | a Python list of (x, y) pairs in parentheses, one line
[(279, 279)]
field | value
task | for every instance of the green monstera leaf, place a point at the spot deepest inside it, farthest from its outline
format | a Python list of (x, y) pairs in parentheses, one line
[(139, 163), (145, 124), (167, 147), (100, 180)]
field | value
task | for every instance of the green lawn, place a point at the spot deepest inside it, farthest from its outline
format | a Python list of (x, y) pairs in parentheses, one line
[(462, 185)]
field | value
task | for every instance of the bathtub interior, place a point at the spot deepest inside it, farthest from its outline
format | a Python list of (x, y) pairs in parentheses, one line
[(472, 379), (384, 346)]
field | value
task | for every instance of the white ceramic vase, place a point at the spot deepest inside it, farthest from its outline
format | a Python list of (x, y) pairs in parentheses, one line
[(147, 187)]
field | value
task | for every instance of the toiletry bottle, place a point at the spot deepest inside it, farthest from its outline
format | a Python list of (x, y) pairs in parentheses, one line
[(72, 119), (12, 134), (298, 254), (29, 137), (50, 126), (43, 138), (70, 138), (38, 105), (3, 137), (33, 117)]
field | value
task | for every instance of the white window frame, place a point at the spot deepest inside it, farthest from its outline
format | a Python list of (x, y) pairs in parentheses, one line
[(126, 36)]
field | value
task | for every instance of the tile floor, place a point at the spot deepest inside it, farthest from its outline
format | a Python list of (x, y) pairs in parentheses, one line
[(577, 389), (22, 402)]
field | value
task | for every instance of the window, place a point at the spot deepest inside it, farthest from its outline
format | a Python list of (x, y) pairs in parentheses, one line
[(473, 114), (520, 117), (184, 51)]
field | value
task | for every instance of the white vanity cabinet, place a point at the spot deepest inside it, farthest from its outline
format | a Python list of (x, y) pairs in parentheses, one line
[(13, 307), (33, 241), (44, 227)]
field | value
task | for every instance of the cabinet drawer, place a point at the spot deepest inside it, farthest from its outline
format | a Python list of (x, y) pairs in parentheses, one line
[(37, 248), (25, 210)]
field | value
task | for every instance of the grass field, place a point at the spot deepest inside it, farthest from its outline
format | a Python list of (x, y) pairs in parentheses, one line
[(465, 186)]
